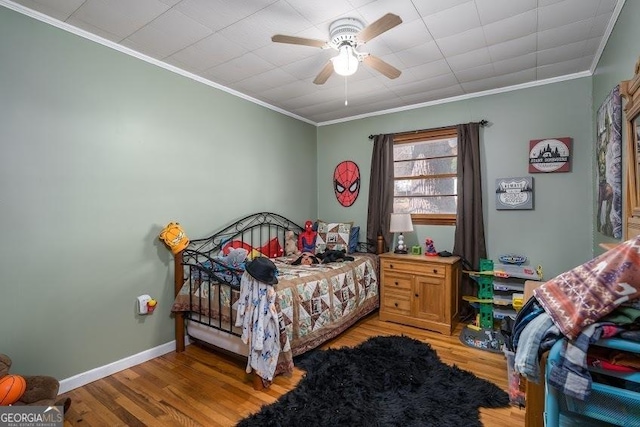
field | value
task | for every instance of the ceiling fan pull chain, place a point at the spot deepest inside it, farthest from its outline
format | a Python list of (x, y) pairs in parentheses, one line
[(345, 92)]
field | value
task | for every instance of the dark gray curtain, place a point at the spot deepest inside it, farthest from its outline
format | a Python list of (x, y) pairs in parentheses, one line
[(380, 191), (469, 235)]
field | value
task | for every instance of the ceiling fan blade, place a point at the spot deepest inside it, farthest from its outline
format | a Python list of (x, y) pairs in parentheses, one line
[(324, 74), (378, 27), (382, 66), (279, 38)]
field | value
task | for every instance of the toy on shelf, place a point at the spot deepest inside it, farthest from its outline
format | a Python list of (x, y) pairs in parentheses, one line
[(430, 248), (500, 294)]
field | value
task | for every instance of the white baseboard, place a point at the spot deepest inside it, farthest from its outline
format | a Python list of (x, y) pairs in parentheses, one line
[(84, 378)]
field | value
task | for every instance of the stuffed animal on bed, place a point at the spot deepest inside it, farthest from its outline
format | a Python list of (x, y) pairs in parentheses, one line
[(307, 239), (332, 255), (290, 243), (307, 258)]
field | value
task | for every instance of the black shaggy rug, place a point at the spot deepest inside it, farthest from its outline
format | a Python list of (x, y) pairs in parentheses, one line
[(385, 381)]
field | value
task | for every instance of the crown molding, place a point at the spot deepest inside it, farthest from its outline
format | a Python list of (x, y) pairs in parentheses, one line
[(607, 34)]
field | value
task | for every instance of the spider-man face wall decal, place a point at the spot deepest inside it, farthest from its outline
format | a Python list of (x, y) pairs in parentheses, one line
[(346, 182)]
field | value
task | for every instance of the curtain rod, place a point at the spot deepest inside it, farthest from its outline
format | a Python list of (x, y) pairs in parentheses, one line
[(482, 123)]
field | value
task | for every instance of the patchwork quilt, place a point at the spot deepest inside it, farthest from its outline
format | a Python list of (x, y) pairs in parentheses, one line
[(317, 302)]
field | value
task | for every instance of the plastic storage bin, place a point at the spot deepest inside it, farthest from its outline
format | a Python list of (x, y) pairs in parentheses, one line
[(606, 405)]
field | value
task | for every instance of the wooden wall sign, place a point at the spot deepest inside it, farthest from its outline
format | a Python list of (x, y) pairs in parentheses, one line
[(550, 155)]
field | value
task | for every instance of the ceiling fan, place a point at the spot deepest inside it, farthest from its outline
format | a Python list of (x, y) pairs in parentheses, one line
[(345, 36)]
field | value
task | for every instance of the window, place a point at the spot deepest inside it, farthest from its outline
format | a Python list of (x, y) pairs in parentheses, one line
[(425, 175)]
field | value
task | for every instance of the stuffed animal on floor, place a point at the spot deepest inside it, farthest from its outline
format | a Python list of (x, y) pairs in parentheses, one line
[(331, 255), (307, 258), (39, 390), (290, 243)]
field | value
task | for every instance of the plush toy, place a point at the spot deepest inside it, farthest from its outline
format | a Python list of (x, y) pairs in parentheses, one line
[(332, 255), (307, 258), (40, 390), (307, 239), (236, 257), (290, 243), (174, 237)]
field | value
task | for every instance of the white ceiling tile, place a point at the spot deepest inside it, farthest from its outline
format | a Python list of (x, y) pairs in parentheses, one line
[(600, 24), (425, 85), (574, 32), (421, 54), (513, 48), (280, 54), (454, 20), (563, 68), (431, 69), (375, 10), (239, 68), (218, 14), (317, 12), (469, 59), (434, 6), (498, 10), (476, 73), (170, 2), (257, 29), (463, 42), (566, 12), (500, 81), (120, 17), (606, 6), (307, 68), (432, 95), (561, 53), (511, 28), (93, 30), (512, 65), (206, 53), (289, 92), (60, 9), (406, 35), (169, 33), (592, 45), (258, 83)]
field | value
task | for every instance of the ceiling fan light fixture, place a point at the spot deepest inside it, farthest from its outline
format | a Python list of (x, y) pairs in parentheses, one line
[(346, 62)]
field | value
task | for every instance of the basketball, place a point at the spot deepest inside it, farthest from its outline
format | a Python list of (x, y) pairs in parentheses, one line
[(12, 388)]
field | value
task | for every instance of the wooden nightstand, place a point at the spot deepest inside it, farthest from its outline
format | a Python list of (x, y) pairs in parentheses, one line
[(420, 291)]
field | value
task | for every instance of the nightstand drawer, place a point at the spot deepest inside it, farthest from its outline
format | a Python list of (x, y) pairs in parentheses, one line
[(397, 303), (430, 269), (397, 281)]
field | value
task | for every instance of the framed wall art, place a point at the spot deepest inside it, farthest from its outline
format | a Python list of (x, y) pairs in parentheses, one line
[(514, 193), (550, 155)]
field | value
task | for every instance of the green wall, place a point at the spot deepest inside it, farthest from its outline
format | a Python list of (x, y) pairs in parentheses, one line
[(616, 64), (99, 152), (556, 233)]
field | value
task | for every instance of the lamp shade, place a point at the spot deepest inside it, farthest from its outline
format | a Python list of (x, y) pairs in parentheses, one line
[(400, 223), (346, 62)]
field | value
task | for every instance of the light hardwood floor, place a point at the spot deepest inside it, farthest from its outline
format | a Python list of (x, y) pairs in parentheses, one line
[(201, 387)]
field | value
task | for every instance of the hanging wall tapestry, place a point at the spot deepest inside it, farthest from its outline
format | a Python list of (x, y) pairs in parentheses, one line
[(346, 182), (609, 161)]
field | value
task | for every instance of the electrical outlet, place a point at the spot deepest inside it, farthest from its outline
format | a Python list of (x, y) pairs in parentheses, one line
[(142, 304)]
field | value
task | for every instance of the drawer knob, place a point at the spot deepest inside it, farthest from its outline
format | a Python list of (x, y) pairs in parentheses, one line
[(395, 303), (435, 270), (416, 295), (395, 283), (390, 265)]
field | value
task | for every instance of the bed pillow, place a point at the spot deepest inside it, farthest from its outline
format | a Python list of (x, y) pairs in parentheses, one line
[(333, 236), (272, 249), (581, 296), (354, 236)]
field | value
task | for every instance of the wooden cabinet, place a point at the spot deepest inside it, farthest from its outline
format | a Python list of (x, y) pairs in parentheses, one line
[(420, 291), (630, 90)]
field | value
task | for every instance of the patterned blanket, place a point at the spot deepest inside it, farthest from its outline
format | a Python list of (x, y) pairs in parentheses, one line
[(579, 297), (317, 302)]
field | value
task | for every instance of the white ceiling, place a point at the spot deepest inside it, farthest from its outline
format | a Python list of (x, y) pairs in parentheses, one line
[(444, 48)]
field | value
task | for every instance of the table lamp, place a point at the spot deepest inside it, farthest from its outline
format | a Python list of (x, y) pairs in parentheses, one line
[(401, 223)]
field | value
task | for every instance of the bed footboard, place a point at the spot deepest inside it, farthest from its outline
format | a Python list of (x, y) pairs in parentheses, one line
[(206, 287)]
